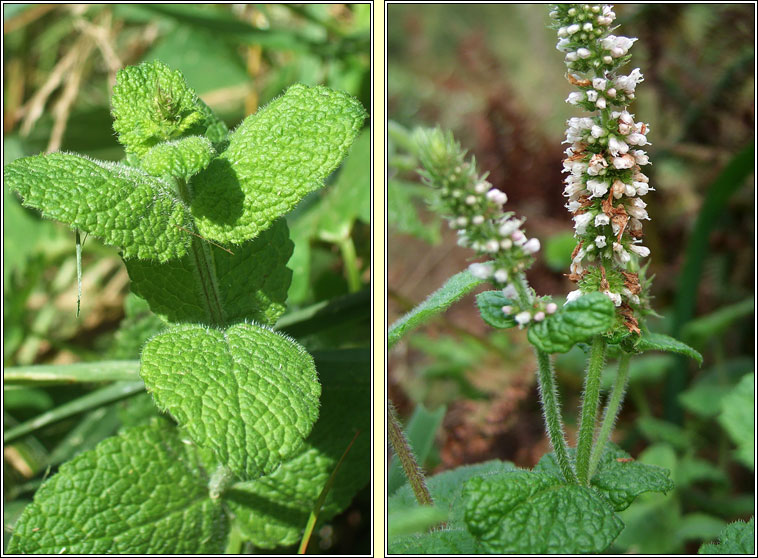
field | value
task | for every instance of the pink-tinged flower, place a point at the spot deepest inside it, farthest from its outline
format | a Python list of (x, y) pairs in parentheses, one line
[(624, 162), (629, 83)]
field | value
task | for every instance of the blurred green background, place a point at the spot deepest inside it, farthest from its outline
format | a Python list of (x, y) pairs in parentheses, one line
[(492, 75), (60, 63)]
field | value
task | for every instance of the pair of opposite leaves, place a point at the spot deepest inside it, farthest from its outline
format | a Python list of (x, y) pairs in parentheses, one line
[(261, 400)]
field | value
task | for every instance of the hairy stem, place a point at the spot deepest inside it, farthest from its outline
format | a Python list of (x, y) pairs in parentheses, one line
[(612, 409), (404, 453), (552, 410), (519, 283), (589, 410)]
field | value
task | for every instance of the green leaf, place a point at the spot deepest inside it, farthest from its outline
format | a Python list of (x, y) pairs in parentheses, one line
[(274, 158), (121, 205), (535, 513), (421, 432), (738, 418), (620, 482), (181, 158), (409, 521), (490, 304), (142, 492), (657, 430), (252, 282), (446, 488), (650, 341), (736, 538), (454, 289), (151, 104), (699, 526), (579, 320), (273, 510), (447, 541), (350, 196), (248, 393)]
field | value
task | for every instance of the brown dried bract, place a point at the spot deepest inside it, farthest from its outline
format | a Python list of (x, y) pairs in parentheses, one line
[(603, 281), (630, 322), (632, 282), (637, 234), (620, 219), (575, 80), (576, 250)]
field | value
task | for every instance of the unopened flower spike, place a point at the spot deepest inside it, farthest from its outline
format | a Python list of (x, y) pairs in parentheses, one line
[(475, 210), (604, 159)]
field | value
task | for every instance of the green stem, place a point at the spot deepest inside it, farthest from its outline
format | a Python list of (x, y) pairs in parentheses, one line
[(552, 410), (350, 261), (612, 409), (404, 453), (519, 283), (589, 410)]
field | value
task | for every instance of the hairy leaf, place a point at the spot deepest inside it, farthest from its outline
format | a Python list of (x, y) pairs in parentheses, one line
[(619, 481), (490, 304), (579, 320), (454, 289), (535, 513), (273, 510), (121, 205), (252, 282), (737, 538), (650, 341), (151, 104), (248, 393), (142, 492), (441, 541), (274, 158), (181, 158), (738, 418)]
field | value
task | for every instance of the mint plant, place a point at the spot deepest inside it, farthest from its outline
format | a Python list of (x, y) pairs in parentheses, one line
[(254, 425), (569, 502)]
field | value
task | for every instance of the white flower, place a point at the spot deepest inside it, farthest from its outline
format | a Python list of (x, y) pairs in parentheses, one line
[(522, 318), (624, 162), (583, 53), (461, 222), (510, 292), (507, 309), (621, 255), (501, 276), (506, 244), (539, 316), (615, 297), (470, 200), (640, 157), (497, 197), (598, 132), (581, 221), (572, 57), (481, 270), (587, 26), (477, 219), (573, 295), (599, 84), (597, 188), (518, 238), (617, 146), (491, 246), (597, 165), (563, 45), (572, 206), (571, 29), (532, 246), (629, 83), (591, 95), (641, 188), (600, 103), (642, 251), (636, 139), (600, 241), (602, 219), (551, 308)]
